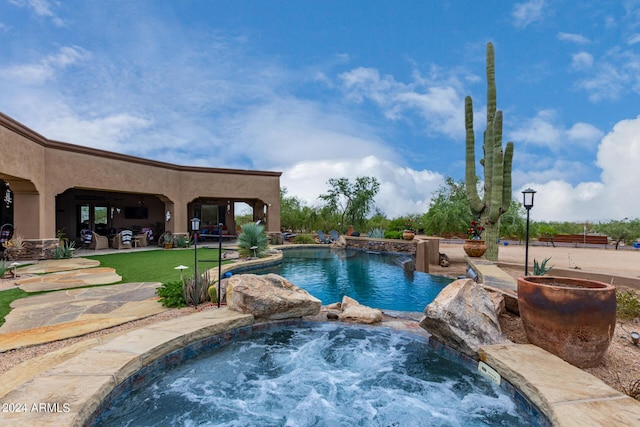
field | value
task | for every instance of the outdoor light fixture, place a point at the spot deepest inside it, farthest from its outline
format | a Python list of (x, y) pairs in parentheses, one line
[(195, 227), (181, 267), (219, 260), (528, 204)]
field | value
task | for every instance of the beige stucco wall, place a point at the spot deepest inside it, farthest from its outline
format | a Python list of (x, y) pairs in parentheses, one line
[(38, 169)]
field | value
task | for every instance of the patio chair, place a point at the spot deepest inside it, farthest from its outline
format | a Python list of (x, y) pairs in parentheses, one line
[(334, 236), (98, 241), (123, 240), (322, 237), (6, 233), (86, 237)]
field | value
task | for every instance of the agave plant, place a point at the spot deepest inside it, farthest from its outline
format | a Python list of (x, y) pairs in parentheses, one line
[(376, 233), (541, 269), (252, 240)]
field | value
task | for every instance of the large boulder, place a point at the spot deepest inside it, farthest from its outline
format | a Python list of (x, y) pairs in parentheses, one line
[(269, 297), (353, 311), (463, 316)]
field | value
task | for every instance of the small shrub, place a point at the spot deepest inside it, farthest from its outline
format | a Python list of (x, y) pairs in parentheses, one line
[(541, 269), (170, 294), (253, 235), (64, 249), (182, 241), (377, 233), (3, 268), (393, 234), (304, 239), (628, 305)]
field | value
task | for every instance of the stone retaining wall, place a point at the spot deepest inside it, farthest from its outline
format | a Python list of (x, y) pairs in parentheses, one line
[(33, 249), (382, 245)]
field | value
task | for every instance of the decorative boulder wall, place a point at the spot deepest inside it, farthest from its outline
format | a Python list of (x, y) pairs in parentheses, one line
[(270, 297), (571, 318), (463, 316)]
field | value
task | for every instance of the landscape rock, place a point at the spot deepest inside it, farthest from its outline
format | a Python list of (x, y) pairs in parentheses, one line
[(270, 297), (353, 311), (340, 243), (230, 255), (463, 316)]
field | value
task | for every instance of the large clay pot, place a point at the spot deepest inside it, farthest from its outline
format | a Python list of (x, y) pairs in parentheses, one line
[(571, 318), (408, 235), (475, 248)]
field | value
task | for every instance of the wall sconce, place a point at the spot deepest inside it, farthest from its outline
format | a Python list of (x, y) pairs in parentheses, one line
[(167, 216), (228, 206)]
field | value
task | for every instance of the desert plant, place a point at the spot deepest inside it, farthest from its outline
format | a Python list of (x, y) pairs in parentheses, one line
[(182, 241), (628, 305), (16, 242), (541, 269), (195, 292), (64, 250), (170, 294), (213, 293), (253, 236), (303, 239), (376, 233), (3, 268), (496, 163)]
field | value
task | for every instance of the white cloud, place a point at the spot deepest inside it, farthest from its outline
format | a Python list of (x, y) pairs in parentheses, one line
[(41, 8), (613, 197), (39, 72), (573, 38), (634, 39), (543, 130), (582, 61), (402, 190), (438, 101), (526, 13)]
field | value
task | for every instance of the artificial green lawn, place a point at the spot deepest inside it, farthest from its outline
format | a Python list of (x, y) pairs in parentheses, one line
[(144, 266), (158, 265)]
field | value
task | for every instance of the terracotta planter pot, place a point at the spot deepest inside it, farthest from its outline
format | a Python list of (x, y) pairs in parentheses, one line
[(475, 248), (571, 318), (408, 235)]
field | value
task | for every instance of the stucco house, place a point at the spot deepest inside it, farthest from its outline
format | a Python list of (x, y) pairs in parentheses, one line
[(51, 186)]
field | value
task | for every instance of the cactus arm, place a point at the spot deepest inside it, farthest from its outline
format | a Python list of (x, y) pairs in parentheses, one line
[(506, 189), (477, 206), (497, 180)]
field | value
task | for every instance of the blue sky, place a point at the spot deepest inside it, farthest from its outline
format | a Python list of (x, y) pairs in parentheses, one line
[(322, 89)]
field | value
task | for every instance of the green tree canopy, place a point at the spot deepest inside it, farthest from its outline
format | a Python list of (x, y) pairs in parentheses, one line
[(351, 201), (449, 211)]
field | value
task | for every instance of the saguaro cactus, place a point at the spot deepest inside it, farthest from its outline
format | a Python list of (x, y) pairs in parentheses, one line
[(496, 163)]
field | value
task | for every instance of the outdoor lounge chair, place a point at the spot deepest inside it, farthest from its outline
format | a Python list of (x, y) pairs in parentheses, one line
[(86, 236), (122, 240), (98, 241), (334, 236), (322, 237)]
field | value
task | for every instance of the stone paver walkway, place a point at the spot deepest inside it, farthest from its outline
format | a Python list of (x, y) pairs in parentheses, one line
[(64, 314), (70, 279), (55, 265)]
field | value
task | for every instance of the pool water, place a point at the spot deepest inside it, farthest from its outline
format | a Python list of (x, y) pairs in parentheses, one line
[(317, 375), (373, 279)]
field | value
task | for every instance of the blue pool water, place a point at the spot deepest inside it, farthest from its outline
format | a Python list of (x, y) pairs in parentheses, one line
[(373, 279), (320, 375)]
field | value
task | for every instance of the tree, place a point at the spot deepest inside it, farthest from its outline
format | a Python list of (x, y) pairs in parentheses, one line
[(620, 231), (448, 211), (513, 221), (351, 201)]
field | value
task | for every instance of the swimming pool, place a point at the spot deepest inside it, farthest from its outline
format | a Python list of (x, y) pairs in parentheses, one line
[(373, 279), (313, 374)]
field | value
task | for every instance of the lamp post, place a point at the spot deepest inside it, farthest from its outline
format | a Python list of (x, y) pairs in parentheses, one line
[(528, 204), (195, 227), (219, 260)]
